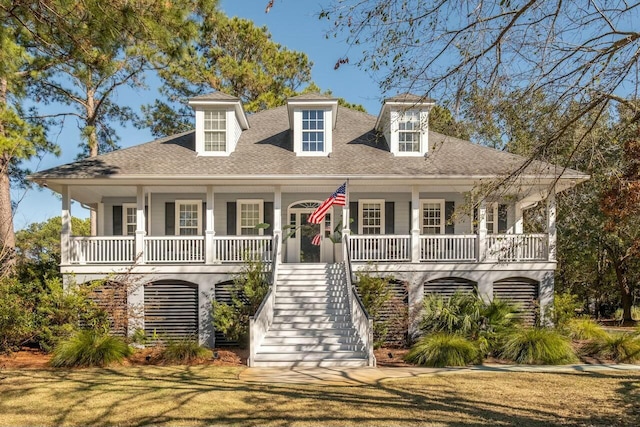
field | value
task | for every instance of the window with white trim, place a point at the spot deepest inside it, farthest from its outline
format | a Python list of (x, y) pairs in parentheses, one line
[(250, 214), (371, 217), (409, 132), (313, 127), (432, 218), (129, 215), (188, 217), (496, 218), (215, 131)]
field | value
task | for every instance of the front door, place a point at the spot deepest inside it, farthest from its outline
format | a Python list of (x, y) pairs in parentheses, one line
[(307, 242)]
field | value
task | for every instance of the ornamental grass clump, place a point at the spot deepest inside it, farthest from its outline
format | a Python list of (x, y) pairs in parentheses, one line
[(90, 348), (443, 349), (620, 347), (537, 346), (184, 351), (585, 329)]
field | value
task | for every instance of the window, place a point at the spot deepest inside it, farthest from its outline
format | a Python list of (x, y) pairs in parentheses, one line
[(433, 221), (215, 131), (409, 132), (313, 130), (371, 216), (188, 217), (496, 218), (129, 219), (250, 214)]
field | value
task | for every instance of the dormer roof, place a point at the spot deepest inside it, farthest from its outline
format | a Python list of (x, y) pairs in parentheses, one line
[(312, 100), (404, 101), (220, 99)]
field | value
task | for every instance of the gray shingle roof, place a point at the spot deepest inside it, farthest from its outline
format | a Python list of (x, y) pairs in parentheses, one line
[(266, 149), (409, 97), (314, 96), (214, 96)]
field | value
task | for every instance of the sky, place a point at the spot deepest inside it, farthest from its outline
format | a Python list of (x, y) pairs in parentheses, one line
[(292, 23)]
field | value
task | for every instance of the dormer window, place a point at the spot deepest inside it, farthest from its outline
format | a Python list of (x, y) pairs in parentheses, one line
[(313, 130), (409, 132), (215, 131)]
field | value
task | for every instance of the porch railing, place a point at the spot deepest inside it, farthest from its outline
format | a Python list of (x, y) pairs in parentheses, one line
[(517, 247), (380, 248), (241, 248), (448, 247), (174, 249), (101, 250)]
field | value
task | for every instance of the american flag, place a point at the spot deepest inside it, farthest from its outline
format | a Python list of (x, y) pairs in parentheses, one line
[(316, 239), (337, 198)]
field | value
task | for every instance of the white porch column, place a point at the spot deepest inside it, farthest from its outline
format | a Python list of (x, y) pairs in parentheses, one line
[(140, 225), (209, 232), (415, 224), (482, 231), (65, 241), (518, 226), (551, 224), (100, 211), (277, 220)]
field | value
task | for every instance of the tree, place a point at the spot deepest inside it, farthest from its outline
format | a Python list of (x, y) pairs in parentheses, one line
[(21, 138), (581, 57), (233, 56)]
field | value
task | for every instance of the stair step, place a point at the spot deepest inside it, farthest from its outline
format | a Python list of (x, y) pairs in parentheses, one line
[(304, 305), (307, 348), (309, 355), (323, 310), (326, 363), (284, 331), (279, 324), (296, 339), (304, 301), (330, 319)]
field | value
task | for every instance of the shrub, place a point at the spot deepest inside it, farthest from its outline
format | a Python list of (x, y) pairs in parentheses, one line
[(459, 313), (17, 322), (584, 328), (537, 346), (443, 349), (90, 348), (184, 351), (565, 306), (375, 293), (248, 290), (621, 347), (497, 319)]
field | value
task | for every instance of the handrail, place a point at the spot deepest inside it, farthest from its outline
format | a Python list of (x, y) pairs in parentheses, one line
[(361, 319), (261, 321)]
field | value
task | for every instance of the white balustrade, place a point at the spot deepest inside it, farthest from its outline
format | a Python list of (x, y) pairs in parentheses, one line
[(174, 249), (517, 247), (448, 247), (242, 248), (101, 250), (380, 248)]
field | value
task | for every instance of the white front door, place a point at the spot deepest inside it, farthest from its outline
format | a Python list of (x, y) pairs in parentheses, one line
[(300, 235)]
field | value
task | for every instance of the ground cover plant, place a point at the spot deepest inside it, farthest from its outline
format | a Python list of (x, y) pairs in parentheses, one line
[(90, 348), (206, 395)]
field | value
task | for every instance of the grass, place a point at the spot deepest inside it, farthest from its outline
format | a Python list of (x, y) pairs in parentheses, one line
[(442, 349), (537, 346), (205, 395), (90, 348)]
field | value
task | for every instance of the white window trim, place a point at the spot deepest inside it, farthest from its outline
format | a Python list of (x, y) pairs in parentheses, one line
[(443, 220), (229, 122), (297, 131), (361, 202), (395, 117), (126, 206), (239, 203), (177, 215)]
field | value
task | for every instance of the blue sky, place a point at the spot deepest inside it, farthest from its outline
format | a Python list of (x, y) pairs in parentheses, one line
[(294, 24)]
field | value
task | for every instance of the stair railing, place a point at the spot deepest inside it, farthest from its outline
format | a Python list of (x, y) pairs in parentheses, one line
[(362, 322), (260, 322)]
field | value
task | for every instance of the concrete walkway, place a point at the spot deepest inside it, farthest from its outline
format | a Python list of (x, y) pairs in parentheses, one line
[(366, 376)]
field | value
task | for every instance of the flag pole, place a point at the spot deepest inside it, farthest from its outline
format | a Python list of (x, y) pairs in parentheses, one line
[(345, 211)]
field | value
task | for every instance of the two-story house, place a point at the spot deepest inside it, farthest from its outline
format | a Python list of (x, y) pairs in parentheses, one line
[(182, 212)]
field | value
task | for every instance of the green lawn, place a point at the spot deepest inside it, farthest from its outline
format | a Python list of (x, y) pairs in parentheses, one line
[(213, 395)]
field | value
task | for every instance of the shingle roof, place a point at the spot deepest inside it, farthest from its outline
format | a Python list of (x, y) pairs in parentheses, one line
[(314, 96), (214, 96), (409, 97), (266, 149)]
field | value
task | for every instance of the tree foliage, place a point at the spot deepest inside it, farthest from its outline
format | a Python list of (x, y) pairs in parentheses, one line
[(230, 55)]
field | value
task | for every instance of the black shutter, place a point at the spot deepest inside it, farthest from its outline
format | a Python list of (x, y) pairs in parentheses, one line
[(231, 218), (502, 218), (117, 220), (353, 213), (170, 219), (204, 218), (449, 226), (389, 217), (410, 217), (146, 220), (268, 217)]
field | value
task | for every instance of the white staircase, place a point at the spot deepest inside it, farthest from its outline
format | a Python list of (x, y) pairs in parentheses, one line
[(312, 325)]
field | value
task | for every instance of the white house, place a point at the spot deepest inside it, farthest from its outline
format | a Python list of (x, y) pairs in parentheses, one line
[(181, 213)]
